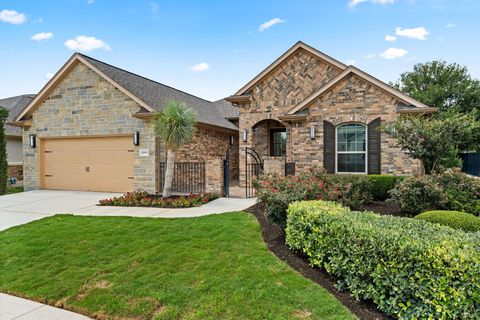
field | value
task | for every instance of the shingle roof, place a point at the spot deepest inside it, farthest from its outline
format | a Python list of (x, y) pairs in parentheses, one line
[(14, 105), (156, 95)]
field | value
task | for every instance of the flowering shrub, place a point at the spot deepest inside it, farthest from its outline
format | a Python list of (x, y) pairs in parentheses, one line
[(144, 199), (277, 192)]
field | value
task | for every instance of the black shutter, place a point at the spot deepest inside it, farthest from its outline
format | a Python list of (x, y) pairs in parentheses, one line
[(374, 147), (329, 146)]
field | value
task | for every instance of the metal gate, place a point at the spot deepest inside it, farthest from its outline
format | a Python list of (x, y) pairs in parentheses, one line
[(253, 168)]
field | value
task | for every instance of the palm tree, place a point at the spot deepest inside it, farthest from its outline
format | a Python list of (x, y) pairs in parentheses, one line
[(175, 126)]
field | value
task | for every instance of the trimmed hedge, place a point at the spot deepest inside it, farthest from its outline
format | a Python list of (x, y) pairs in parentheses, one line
[(409, 268), (454, 219)]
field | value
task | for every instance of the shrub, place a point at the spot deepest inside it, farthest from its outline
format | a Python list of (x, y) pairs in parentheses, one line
[(143, 199), (450, 190), (382, 184), (356, 189), (416, 194), (409, 268), (277, 192), (454, 219)]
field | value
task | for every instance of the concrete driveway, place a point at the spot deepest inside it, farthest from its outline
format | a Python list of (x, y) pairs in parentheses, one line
[(20, 208)]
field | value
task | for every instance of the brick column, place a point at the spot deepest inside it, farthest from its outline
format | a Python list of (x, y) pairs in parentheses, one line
[(274, 165), (214, 175)]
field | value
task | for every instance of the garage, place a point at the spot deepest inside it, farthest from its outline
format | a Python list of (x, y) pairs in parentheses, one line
[(87, 164)]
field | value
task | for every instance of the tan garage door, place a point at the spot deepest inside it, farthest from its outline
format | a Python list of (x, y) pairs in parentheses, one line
[(92, 164)]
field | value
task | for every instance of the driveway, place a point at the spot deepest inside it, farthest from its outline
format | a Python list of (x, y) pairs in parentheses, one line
[(21, 208)]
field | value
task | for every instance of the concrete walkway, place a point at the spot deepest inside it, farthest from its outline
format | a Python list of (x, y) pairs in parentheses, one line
[(22, 309)]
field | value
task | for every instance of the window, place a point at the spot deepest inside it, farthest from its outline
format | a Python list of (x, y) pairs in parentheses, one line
[(351, 148), (278, 142)]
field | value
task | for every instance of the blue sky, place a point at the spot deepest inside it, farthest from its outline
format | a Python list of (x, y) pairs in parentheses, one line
[(212, 48)]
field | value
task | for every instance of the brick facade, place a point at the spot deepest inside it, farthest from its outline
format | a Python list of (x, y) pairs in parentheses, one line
[(351, 100), (84, 104)]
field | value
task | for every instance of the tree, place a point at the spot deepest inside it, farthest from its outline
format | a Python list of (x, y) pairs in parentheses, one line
[(436, 141), (441, 85), (3, 152), (175, 126)]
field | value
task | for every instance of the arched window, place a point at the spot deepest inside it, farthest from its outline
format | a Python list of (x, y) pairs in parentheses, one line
[(351, 148)]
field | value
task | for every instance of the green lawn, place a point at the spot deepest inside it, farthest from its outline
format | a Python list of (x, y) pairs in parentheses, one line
[(213, 267), (14, 190)]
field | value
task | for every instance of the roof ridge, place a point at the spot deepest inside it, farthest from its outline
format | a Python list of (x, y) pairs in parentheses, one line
[(140, 76)]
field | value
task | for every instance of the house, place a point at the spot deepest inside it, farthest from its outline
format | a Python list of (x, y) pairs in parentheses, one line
[(307, 109), (91, 127), (13, 135)]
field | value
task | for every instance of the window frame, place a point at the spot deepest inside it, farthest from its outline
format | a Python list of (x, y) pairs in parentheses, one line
[(351, 152), (271, 146)]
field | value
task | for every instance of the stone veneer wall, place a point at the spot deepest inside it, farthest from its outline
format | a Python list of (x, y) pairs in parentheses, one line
[(84, 104)]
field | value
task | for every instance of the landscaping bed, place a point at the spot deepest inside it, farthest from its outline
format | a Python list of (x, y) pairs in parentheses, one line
[(212, 267), (144, 199)]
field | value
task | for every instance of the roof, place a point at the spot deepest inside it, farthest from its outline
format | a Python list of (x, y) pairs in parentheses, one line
[(413, 105), (14, 105), (283, 57), (150, 94)]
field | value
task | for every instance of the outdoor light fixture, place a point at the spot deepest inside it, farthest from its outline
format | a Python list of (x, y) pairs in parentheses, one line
[(136, 138), (244, 135), (32, 140), (232, 140), (311, 133)]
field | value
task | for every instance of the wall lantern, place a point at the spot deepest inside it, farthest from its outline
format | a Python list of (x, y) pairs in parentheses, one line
[(311, 132), (244, 135), (136, 138), (232, 140), (32, 140)]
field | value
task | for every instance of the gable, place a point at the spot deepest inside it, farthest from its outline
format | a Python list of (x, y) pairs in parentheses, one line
[(293, 80)]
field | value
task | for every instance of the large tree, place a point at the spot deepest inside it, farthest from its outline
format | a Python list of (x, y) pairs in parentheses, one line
[(436, 141), (441, 85), (175, 126), (3, 152)]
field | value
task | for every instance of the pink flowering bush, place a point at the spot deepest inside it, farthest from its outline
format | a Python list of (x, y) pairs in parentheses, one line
[(277, 192), (144, 199)]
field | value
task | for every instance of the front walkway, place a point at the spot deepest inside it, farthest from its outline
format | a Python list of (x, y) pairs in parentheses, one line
[(21, 309), (20, 208)]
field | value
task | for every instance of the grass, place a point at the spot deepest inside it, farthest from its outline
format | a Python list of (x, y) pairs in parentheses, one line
[(213, 267), (14, 190)]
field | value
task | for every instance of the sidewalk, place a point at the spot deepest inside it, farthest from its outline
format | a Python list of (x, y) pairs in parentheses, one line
[(22, 309)]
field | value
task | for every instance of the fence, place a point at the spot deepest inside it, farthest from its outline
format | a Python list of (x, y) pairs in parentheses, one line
[(471, 163), (188, 177)]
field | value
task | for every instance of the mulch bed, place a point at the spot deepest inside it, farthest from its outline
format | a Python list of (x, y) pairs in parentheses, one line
[(274, 237), (383, 208)]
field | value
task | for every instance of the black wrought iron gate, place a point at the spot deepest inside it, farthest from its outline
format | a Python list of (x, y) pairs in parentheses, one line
[(253, 168)]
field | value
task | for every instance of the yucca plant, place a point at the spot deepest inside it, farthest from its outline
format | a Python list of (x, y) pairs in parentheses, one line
[(175, 126)]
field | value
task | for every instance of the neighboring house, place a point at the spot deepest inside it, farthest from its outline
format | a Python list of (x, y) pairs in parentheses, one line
[(91, 127), (82, 126), (308, 109), (13, 135)]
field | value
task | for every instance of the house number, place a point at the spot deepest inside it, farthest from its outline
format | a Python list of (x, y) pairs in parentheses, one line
[(144, 153)]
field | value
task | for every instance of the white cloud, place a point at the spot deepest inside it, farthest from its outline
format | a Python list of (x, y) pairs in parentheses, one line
[(12, 16), (419, 33), (369, 56), (353, 3), (270, 23), (200, 67), (49, 75), (85, 43), (350, 62), (390, 38), (39, 20), (450, 25), (393, 53), (42, 36), (90, 1), (154, 6)]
